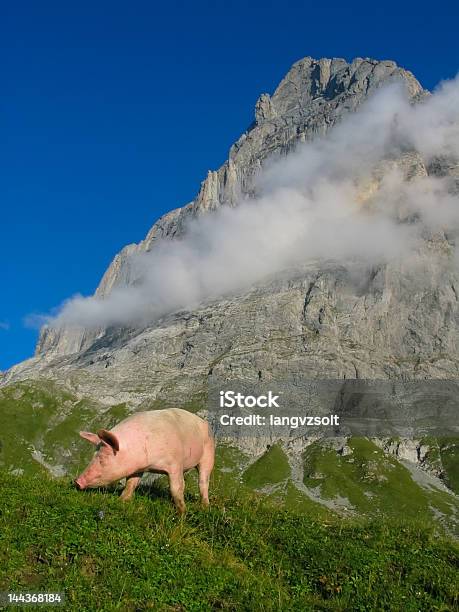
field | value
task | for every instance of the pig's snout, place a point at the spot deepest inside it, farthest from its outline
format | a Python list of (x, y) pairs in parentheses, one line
[(80, 484)]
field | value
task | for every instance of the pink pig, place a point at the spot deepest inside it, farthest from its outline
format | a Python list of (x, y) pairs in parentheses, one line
[(161, 441)]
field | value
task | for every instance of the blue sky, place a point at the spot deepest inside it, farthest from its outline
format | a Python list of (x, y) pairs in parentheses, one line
[(112, 113)]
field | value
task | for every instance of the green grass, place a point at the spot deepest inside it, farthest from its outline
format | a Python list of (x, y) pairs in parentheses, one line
[(449, 454), (41, 416), (278, 551), (371, 482), (443, 455), (271, 468), (287, 496), (243, 554)]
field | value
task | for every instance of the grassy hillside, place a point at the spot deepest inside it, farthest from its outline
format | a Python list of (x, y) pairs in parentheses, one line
[(40, 424), (276, 551), (244, 554), (271, 468), (39, 433), (373, 483)]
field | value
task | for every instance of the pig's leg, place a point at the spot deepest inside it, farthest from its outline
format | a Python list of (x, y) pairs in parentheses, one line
[(177, 487), (204, 485), (131, 485), (205, 468)]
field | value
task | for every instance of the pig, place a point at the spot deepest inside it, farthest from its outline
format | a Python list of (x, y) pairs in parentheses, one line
[(161, 441)]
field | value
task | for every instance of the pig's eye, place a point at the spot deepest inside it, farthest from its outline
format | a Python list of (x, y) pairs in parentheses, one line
[(105, 458)]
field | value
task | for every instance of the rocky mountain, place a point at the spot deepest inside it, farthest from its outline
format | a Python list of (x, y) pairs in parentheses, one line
[(392, 324), (313, 96), (320, 321)]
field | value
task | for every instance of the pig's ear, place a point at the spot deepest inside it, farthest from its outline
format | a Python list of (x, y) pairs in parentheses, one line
[(109, 438), (91, 437)]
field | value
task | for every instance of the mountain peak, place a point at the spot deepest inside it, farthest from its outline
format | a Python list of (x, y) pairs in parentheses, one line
[(327, 79)]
